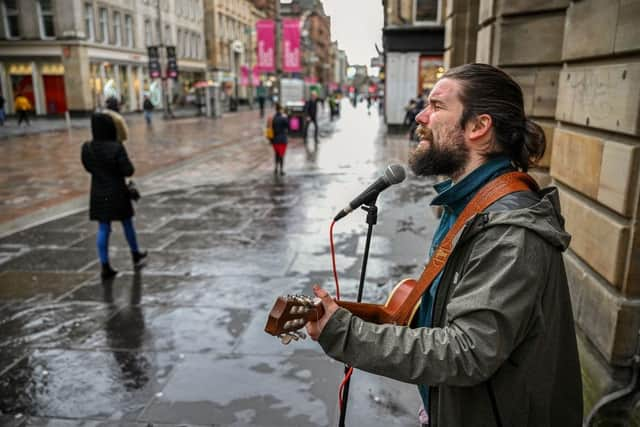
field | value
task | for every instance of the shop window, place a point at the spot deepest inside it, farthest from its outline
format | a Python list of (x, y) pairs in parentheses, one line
[(11, 19), (103, 18), (128, 31), (88, 21), (117, 29), (45, 18), (427, 11)]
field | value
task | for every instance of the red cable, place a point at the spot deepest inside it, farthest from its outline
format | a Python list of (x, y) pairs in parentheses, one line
[(347, 374)]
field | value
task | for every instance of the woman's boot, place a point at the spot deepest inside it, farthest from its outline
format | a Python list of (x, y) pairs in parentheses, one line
[(107, 271)]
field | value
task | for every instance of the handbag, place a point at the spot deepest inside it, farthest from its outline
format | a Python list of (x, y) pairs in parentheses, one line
[(268, 131), (132, 189)]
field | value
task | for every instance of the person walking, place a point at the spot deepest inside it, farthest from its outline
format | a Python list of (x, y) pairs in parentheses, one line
[(2, 114), (311, 116), (107, 161), (147, 106), (493, 341), (280, 125), (22, 107), (261, 94)]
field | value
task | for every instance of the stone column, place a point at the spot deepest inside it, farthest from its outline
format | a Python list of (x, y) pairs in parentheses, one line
[(76, 79), (38, 90)]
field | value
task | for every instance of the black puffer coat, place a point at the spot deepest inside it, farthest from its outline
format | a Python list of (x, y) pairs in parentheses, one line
[(108, 163)]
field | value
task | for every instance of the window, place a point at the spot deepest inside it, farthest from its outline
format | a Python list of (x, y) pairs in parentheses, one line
[(179, 43), (117, 29), (11, 20), (88, 21), (427, 11), (103, 19), (148, 36), (158, 39), (45, 15), (128, 31), (167, 35)]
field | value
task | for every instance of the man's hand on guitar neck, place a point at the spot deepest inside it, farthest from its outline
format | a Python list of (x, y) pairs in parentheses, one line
[(315, 327)]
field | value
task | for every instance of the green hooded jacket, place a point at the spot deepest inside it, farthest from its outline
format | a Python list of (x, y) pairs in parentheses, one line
[(502, 350)]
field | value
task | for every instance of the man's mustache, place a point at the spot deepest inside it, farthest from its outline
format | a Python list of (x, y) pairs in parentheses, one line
[(424, 133)]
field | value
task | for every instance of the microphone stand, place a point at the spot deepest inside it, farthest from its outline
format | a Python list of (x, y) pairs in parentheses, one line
[(372, 219)]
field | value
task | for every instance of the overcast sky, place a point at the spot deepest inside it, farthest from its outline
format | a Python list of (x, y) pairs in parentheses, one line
[(357, 26)]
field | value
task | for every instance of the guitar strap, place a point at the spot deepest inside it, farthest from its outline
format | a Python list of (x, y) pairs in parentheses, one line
[(499, 187)]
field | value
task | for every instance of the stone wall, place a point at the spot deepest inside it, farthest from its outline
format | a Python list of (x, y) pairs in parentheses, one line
[(578, 63)]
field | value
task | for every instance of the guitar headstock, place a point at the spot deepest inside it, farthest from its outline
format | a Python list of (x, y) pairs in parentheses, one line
[(289, 314)]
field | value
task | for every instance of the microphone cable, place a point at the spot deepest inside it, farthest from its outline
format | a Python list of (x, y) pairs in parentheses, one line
[(349, 371)]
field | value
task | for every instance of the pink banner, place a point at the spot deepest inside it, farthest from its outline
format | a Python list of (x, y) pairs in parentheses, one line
[(265, 29), (311, 80), (244, 75), (291, 45), (256, 76)]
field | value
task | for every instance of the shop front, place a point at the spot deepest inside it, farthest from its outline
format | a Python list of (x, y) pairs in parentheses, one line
[(42, 83), (125, 82)]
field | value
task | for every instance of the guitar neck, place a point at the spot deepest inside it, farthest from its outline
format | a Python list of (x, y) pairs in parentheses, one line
[(370, 312)]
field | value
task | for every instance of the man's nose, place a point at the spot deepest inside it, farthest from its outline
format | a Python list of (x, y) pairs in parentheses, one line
[(423, 117)]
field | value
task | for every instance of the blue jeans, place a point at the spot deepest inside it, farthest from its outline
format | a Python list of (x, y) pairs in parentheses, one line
[(2, 116), (147, 117), (102, 240)]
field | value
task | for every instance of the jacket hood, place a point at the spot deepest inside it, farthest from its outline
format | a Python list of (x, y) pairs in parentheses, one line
[(122, 131), (543, 217), (103, 127)]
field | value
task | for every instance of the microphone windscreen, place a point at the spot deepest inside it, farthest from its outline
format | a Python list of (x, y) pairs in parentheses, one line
[(394, 174)]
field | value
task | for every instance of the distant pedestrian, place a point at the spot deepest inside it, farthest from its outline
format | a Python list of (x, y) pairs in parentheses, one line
[(147, 106), (311, 116), (22, 107), (261, 94), (2, 115), (107, 161), (280, 125)]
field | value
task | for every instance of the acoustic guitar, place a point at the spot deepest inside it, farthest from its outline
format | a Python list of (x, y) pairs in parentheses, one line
[(291, 313)]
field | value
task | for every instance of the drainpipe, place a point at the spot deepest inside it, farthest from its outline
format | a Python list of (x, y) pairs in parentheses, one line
[(607, 399)]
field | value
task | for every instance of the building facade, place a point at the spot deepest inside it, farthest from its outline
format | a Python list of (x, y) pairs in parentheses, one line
[(413, 40), (578, 63), (316, 39), (71, 55), (231, 45)]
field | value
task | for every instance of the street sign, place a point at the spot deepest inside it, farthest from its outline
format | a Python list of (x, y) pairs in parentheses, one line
[(172, 62), (154, 62)]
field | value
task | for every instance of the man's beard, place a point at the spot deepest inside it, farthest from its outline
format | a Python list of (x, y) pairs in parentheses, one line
[(446, 156)]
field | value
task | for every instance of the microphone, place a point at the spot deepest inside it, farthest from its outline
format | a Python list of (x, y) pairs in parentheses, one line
[(393, 174)]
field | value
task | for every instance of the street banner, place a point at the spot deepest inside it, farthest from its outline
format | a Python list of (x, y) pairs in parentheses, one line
[(172, 63), (291, 46), (244, 75), (256, 76), (265, 31), (154, 61)]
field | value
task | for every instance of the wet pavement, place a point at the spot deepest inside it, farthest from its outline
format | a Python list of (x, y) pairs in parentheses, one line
[(181, 341)]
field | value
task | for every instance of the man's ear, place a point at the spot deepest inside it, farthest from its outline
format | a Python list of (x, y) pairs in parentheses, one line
[(479, 127)]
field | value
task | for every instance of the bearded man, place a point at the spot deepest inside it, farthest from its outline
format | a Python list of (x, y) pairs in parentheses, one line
[(493, 342)]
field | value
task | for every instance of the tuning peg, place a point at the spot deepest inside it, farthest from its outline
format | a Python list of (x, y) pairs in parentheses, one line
[(285, 339)]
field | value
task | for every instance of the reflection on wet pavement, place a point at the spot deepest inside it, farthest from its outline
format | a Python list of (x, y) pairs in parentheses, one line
[(181, 341)]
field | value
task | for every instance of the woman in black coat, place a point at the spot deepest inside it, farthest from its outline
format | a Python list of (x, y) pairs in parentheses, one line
[(108, 163)]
